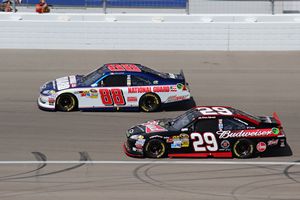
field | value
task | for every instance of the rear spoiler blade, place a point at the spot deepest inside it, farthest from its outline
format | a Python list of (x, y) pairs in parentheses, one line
[(182, 74), (277, 118)]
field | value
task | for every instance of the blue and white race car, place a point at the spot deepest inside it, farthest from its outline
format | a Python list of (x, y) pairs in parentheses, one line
[(114, 86)]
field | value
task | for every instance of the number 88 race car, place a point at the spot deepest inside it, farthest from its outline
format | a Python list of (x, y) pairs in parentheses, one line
[(207, 132), (114, 86)]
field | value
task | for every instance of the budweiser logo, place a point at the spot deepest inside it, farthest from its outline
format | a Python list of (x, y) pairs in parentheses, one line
[(245, 133)]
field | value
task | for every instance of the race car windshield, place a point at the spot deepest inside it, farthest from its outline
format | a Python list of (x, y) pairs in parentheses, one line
[(91, 77), (151, 71), (183, 120)]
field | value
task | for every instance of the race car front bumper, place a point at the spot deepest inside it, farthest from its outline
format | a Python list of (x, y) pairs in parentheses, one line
[(46, 102), (132, 151)]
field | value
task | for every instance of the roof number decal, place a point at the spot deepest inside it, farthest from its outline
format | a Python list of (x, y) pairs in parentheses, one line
[(214, 111), (123, 67)]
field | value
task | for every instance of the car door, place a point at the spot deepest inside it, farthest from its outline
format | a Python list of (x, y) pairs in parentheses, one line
[(113, 90), (203, 137)]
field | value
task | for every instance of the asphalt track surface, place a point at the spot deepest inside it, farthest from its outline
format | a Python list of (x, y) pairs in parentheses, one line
[(257, 82)]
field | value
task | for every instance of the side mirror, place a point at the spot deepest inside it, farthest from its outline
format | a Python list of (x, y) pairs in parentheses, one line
[(184, 130)]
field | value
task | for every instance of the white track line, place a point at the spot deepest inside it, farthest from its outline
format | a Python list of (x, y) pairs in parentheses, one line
[(154, 162)]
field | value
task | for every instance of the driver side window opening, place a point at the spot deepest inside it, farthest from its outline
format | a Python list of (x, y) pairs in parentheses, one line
[(114, 81), (206, 125)]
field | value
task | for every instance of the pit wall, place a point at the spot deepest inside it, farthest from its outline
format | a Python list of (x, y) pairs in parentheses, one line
[(149, 32)]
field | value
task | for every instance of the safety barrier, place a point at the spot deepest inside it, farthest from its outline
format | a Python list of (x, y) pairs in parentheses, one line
[(114, 3), (149, 31)]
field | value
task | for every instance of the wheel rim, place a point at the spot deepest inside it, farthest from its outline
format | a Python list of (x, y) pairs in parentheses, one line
[(243, 149), (156, 149), (150, 103), (67, 103)]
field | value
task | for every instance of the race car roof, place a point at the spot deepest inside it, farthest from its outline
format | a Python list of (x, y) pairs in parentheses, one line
[(225, 111), (130, 67)]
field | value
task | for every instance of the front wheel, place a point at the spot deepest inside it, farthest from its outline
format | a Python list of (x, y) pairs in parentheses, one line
[(150, 102), (66, 102), (243, 148), (155, 148)]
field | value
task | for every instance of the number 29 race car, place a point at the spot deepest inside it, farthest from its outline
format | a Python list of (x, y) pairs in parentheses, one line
[(207, 131), (114, 86)]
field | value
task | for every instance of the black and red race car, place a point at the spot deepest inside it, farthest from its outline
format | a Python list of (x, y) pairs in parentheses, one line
[(207, 131)]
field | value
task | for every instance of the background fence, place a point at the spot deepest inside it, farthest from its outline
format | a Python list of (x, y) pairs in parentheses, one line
[(191, 6), (115, 3)]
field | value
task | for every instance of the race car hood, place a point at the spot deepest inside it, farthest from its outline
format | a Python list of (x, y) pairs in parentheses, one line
[(62, 83), (155, 126)]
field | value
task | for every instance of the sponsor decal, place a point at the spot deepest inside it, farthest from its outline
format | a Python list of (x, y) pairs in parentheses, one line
[(63, 83), (272, 142), (161, 89), (176, 98), (245, 133), (131, 99), (179, 141), (220, 124), (179, 86), (169, 139), (140, 143), (173, 88), (92, 93), (185, 142), (139, 89), (176, 144), (275, 131), (225, 144), (152, 126), (261, 146), (155, 82), (51, 100), (207, 117), (72, 81), (282, 143)]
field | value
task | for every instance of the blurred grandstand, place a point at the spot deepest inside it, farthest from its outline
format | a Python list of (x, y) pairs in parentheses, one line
[(188, 6)]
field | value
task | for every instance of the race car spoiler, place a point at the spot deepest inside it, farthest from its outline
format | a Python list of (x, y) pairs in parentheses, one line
[(277, 118), (182, 74)]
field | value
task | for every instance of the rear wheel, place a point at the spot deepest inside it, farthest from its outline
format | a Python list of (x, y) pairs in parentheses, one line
[(243, 148), (66, 102), (155, 148), (150, 102)]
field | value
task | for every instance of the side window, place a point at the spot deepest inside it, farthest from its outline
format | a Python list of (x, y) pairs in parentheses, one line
[(139, 81), (114, 81), (232, 124), (206, 125)]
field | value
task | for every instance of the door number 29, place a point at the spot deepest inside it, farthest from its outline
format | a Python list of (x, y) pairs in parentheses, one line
[(205, 142)]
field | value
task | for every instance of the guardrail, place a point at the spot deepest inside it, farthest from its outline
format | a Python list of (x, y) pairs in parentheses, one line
[(149, 31)]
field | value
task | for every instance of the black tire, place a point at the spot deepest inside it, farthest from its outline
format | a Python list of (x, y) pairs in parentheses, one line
[(243, 148), (66, 103), (149, 102), (155, 148)]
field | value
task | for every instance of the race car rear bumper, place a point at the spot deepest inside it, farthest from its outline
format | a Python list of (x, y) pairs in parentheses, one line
[(129, 152)]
